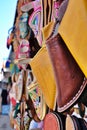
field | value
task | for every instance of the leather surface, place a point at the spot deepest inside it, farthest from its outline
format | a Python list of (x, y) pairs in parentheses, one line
[(73, 29), (51, 122), (68, 75)]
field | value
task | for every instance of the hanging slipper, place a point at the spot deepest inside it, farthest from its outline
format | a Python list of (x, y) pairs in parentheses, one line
[(37, 98), (23, 26), (22, 53), (74, 123), (54, 121), (42, 70), (69, 78), (35, 23)]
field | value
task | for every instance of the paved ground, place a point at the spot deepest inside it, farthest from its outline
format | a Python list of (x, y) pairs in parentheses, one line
[(4, 122)]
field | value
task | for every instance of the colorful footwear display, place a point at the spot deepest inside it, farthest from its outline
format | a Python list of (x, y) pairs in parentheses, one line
[(48, 54)]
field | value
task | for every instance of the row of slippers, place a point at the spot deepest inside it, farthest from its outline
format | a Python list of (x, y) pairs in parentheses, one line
[(58, 121)]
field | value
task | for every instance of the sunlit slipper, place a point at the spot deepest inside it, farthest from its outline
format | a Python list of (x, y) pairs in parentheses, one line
[(38, 100), (42, 70)]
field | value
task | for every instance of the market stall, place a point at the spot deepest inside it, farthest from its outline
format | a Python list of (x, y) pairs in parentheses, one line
[(49, 74)]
